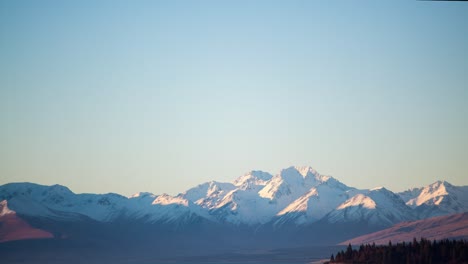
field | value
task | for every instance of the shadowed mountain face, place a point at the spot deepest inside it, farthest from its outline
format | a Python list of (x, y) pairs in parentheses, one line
[(296, 207)]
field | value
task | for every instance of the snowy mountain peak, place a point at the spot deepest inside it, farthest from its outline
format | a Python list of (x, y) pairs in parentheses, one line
[(291, 175), (380, 189), (385, 198), (295, 181), (315, 203), (208, 194), (253, 176), (142, 195), (431, 194), (436, 199), (359, 200), (4, 210), (213, 188), (311, 174), (306, 170), (377, 206), (439, 186), (166, 199), (253, 180)]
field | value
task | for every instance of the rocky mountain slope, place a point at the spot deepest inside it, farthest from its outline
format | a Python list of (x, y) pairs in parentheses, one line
[(442, 227)]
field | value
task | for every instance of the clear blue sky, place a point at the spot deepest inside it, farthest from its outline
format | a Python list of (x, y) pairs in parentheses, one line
[(128, 96)]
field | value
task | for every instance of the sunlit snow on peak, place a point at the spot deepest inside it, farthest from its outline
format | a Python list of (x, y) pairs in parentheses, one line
[(359, 200), (4, 210), (166, 199)]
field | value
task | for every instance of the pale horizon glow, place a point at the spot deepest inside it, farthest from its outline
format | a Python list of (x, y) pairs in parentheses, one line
[(160, 96)]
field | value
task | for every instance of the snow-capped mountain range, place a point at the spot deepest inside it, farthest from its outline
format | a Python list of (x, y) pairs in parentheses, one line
[(295, 196)]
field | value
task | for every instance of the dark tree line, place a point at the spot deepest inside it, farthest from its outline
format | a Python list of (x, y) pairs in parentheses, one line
[(422, 251)]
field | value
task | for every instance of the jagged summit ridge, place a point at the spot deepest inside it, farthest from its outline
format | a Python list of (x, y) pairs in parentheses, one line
[(252, 179), (436, 199), (377, 206), (295, 195)]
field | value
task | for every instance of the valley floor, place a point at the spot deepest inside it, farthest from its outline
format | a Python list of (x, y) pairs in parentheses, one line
[(52, 252)]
